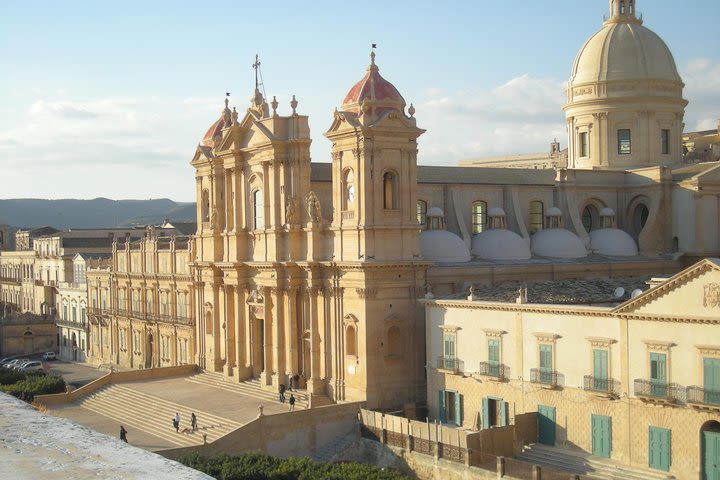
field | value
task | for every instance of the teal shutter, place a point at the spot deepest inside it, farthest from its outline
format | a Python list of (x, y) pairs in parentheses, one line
[(485, 412), (600, 369), (659, 448), (546, 357), (711, 380), (658, 374), (458, 409), (494, 357), (503, 413), (441, 406), (449, 346)]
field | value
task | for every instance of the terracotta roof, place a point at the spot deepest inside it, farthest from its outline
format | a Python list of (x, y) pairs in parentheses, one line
[(214, 130), (380, 95)]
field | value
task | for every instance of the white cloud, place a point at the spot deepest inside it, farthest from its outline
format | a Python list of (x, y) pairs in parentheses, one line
[(702, 89)]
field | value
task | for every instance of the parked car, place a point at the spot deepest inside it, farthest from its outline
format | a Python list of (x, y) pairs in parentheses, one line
[(49, 356), (16, 362), (34, 365), (5, 360)]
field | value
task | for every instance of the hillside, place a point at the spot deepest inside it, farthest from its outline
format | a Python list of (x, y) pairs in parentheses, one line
[(98, 212)]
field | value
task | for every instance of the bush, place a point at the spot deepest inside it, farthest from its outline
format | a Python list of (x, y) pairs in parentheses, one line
[(32, 383), (257, 466)]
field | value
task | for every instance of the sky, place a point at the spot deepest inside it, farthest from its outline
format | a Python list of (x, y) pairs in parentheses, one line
[(110, 98)]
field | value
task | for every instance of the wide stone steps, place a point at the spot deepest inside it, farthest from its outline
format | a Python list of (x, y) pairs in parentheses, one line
[(251, 388), (586, 465), (154, 415)]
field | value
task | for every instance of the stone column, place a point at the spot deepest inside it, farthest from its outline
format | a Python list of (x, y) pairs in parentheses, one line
[(315, 382), (290, 330), (277, 319)]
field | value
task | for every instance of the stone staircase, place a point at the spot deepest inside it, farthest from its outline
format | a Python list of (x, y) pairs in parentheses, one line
[(154, 415), (586, 465), (328, 452), (253, 388)]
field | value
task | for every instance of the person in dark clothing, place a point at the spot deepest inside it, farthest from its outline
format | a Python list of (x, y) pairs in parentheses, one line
[(123, 434), (282, 393), (176, 422), (193, 421), (292, 402)]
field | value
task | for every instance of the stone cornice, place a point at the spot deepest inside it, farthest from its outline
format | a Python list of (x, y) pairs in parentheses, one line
[(546, 337), (489, 332), (519, 307), (658, 345), (709, 350), (601, 341)]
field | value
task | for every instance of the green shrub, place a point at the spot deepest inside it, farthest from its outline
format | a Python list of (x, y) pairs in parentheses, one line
[(34, 383), (8, 376), (257, 466)]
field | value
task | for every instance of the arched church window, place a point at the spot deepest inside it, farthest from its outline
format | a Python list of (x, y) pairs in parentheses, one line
[(536, 216), (208, 323), (479, 216), (348, 189), (205, 206), (590, 217), (258, 209), (389, 190), (422, 213), (640, 217), (350, 340)]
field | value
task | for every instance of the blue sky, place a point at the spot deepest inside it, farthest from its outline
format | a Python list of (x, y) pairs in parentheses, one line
[(102, 98)]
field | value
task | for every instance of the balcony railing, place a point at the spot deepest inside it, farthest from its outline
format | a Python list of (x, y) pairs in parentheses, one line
[(703, 396), (453, 364), (547, 377), (495, 370), (602, 385), (653, 390), (70, 324)]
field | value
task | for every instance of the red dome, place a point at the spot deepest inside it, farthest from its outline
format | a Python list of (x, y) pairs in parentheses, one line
[(379, 94), (214, 130)]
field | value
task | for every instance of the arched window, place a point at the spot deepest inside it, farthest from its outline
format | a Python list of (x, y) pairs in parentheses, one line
[(640, 217), (422, 214), (394, 341), (205, 206), (622, 8), (590, 217), (258, 209), (348, 189), (208, 323), (479, 216), (350, 340), (389, 190), (536, 215)]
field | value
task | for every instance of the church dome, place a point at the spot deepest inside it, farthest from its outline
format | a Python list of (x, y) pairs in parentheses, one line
[(612, 242), (500, 244), (214, 131), (439, 245), (375, 92), (443, 246), (557, 243), (624, 50)]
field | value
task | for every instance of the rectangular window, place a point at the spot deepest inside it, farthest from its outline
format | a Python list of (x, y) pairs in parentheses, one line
[(584, 145), (494, 357), (658, 374), (495, 412), (450, 407), (623, 141), (664, 141), (711, 380), (600, 370), (449, 346), (546, 365)]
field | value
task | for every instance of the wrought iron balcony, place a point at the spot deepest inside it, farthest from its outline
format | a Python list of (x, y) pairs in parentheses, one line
[(547, 377), (657, 391), (495, 370), (454, 364), (602, 385), (70, 324), (703, 396)]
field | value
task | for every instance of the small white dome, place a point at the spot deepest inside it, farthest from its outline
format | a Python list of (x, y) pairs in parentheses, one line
[(500, 244), (554, 212), (496, 212), (557, 243), (607, 212), (435, 212), (613, 242), (443, 246)]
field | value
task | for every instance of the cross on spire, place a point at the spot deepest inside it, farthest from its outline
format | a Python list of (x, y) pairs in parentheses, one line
[(256, 66)]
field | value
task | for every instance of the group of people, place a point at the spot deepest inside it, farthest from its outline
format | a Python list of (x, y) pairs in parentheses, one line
[(176, 421), (291, 400)]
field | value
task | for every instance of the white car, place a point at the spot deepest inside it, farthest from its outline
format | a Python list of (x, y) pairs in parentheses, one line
[(16, 363), (49, 356), (34, 365)]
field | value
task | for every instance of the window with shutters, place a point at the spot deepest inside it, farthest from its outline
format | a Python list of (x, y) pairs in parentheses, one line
[(546, 363), (450, 407), (495, 413)]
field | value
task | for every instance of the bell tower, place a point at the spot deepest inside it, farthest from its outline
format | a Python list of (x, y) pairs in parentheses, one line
[(374, 172)]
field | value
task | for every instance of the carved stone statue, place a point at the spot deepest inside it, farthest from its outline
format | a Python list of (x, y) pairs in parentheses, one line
[(313, 207), (290, 210)]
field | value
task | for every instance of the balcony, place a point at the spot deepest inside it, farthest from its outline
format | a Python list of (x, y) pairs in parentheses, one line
[(703, 397), (653, 391), (550, 378), (451, 364), (10, 280), (70, 324), (494, 370), (607, 386)]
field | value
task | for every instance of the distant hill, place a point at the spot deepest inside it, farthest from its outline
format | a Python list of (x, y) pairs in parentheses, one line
[(99, 212)]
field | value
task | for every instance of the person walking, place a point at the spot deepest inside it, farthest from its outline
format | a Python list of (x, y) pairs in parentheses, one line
[(193, 421), (176, 422), (282, 393), (292, 402), (123, 434)]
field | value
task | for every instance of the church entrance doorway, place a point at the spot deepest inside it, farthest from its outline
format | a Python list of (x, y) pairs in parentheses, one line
[(149, 352)]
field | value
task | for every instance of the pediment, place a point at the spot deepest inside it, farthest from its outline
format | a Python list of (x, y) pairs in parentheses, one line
[(693, 294), (343, 121), (247, 134), (202, 154)]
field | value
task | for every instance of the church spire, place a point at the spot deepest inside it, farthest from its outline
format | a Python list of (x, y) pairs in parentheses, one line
[(623, 11)]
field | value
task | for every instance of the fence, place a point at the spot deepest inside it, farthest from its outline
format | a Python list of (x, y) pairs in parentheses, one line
[(473, 449)]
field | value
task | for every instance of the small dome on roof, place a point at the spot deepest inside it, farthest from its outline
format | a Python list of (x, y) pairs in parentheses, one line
[(214, 131), (612, 242), (435, 212), (607, 212), (553, 212), (500, 244), (496, 212), (443, 246), (375, 92), (557, 243)]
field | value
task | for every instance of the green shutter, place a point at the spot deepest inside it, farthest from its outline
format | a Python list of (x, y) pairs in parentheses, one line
[(546, 357), (449, 346), (441, 406), (659, 448), (503, 413), (711, 380), (657, 367), (600, 364), (494, 351), (485, 412), (458, 409)]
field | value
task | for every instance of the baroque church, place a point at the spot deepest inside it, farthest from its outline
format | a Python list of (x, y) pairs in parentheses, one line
[(317, 269)]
